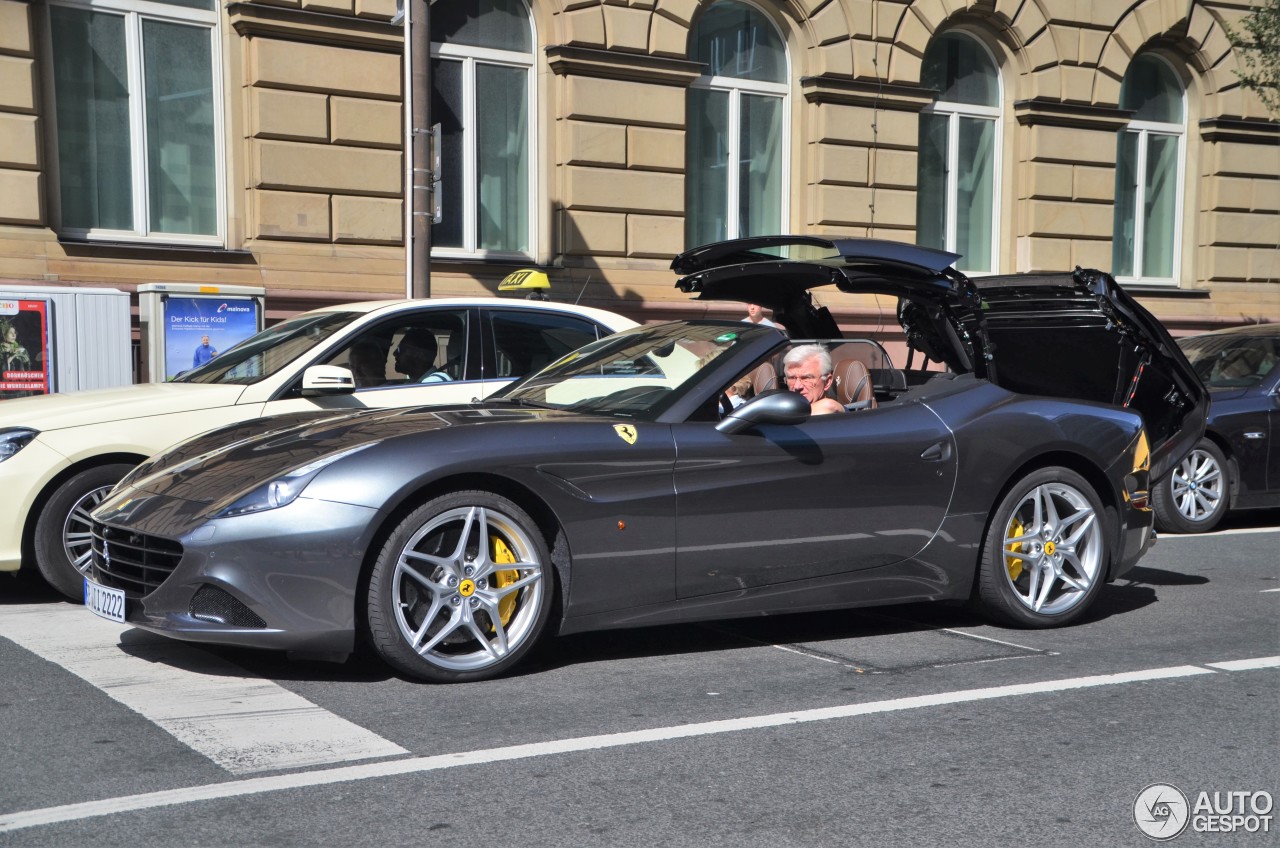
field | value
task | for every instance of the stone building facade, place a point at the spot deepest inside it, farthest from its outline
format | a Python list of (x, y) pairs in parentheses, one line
[(597, 139)]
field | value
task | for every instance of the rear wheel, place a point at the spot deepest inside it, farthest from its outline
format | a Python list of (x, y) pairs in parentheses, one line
[(461, 590), (62, 540), (1194, 497), (1045, 556)]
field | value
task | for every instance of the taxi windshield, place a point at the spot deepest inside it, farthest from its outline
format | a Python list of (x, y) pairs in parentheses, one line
[(264, 354)]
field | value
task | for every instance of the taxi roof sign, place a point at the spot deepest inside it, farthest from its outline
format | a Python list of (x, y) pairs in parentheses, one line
[(525, 280)]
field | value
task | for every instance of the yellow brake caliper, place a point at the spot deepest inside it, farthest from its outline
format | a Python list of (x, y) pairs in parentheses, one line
[(503, 555), (1016, 528)]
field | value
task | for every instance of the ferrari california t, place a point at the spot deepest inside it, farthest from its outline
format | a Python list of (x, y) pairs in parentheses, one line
[(620, 487)]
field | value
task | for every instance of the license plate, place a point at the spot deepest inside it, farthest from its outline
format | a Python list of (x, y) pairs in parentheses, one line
[(103, 601)]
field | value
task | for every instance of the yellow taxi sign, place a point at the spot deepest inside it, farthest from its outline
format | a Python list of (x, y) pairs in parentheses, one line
[(524, 280)]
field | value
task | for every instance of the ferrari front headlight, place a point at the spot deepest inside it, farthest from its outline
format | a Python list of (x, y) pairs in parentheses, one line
[(14, 440), (286, 488)]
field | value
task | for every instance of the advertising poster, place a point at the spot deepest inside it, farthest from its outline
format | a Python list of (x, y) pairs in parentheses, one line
[(197, 329), (25, 359)]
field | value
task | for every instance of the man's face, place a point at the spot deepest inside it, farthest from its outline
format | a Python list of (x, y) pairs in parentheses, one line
[(204, 340), (411, 358), (754, 311), (806, 377)]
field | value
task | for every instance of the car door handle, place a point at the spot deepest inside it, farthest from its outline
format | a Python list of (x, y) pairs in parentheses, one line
[(1254, 434), (938, 452)]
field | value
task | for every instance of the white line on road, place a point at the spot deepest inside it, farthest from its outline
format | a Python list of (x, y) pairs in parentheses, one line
[(1264, 591), (1247, 665), (1235, 531), (253, 786), (244, 724)]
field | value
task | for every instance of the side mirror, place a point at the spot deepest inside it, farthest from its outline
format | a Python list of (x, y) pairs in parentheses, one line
[(328, 380), (776, 407)]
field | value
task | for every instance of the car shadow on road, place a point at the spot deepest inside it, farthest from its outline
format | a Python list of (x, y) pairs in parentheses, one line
[(1162, 577)]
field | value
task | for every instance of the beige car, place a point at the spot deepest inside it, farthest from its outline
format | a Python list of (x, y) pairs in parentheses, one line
[(61, 454)]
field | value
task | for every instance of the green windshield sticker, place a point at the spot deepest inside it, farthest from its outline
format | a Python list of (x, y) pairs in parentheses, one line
[(726, 337)]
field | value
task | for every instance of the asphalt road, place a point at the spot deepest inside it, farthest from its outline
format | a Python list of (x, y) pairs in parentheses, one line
[(914, 725)]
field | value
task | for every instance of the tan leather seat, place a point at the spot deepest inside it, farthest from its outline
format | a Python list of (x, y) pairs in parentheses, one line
[(853, 384), (764, 378)]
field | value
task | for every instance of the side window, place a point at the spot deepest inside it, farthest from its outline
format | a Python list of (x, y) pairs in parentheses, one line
[(429, 347), (524, 342)]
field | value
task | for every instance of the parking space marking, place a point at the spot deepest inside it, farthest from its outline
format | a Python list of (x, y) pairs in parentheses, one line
[(244, 724), (416, 765)]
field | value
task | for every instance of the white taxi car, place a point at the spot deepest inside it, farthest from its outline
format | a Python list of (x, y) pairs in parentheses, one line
[(61, 454)]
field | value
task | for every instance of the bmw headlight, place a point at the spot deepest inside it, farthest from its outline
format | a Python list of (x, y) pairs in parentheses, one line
[(285, 489), (14, 440)]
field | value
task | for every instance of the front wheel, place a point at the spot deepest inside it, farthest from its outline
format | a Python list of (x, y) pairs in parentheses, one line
[(1045, 556), (461, 590), (1193, 497), (62, 540)]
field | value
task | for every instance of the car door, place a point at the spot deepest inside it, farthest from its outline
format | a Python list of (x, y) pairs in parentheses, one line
[(374, 355), (836, 494), (517, 342)]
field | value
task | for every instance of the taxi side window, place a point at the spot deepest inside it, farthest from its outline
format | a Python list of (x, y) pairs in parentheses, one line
[(525, 342)]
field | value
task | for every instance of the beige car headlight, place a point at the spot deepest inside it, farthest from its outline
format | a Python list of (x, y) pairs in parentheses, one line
[(14, 440)]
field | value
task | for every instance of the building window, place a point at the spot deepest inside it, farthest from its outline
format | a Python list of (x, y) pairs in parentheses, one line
[(736, 162), (959, 153), (1149, 159), (138, 123), (481, 91)]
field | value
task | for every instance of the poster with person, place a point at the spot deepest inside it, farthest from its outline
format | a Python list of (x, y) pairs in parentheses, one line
[(197, 329), (25, 361)]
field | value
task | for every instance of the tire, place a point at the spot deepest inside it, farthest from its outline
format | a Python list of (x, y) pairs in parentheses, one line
[(1196, 494), (62, 543), (442, 607), (1044, 559)]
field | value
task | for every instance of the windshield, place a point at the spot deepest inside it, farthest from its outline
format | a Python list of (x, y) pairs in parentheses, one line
[(635, 374), (262, 355), (1231, 361)]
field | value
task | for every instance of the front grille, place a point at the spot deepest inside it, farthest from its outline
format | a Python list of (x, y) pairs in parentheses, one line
[(134, 562), (215, 605)]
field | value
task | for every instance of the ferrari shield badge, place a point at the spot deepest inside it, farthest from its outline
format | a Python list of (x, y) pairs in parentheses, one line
[(626, 432)]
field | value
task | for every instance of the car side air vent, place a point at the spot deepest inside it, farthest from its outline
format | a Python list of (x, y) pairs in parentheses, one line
[(217, 606)]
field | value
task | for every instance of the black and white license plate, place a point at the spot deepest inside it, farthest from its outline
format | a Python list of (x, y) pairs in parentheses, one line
[(104, 601)]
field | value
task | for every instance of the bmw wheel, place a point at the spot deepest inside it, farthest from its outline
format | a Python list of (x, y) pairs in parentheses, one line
[(1194, 497), (1045, 556), (62, 541), (461, 590)]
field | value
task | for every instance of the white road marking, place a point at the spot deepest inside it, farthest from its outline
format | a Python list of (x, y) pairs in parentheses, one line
[(275, 783), (1247, 665), (1037, 651), (1164, 537), (1264, 591), (244, 724)]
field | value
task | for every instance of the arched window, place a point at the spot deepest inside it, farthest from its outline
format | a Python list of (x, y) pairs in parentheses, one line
[(736, 163), (1149, 156), (481, 95), (956, 196)]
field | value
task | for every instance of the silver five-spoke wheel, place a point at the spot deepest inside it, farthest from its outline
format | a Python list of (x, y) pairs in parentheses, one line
[(461, 589), (1046, 552)]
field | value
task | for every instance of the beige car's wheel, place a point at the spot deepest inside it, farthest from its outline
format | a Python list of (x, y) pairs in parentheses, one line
[(62, 540)]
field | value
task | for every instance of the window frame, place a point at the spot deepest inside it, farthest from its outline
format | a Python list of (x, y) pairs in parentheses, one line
[(469, 57), (954, 112), (1145, 130), (134, 13), (736, 87)]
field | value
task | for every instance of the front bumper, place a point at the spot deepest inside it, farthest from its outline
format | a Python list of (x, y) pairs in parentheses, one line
[(296, 570), (22, 477)]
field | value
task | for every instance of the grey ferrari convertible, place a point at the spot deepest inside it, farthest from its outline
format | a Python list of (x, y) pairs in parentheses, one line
[(685, 471)]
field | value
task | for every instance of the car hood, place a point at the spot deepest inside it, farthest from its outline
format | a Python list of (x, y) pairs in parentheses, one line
[(220, 465), (1077, 335), (99, 406)]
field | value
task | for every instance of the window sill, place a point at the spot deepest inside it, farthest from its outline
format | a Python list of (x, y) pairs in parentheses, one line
[(157, 250)]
